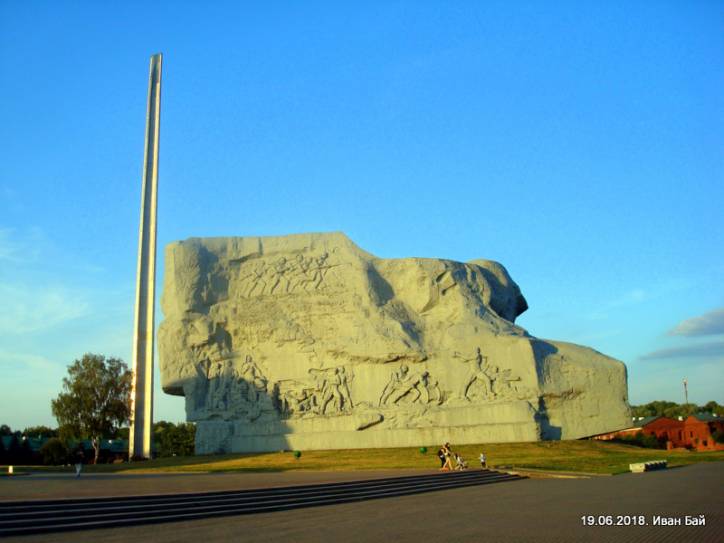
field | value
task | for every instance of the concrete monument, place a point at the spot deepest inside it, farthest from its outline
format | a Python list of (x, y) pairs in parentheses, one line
[(308, 342), (139, 442)]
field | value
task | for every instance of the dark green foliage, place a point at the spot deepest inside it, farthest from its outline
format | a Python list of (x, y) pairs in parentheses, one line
[(40, 431), (14, 453), (96, 399), (19, 452), (652, 442), (5, 430), (712, 407), (640, 439), (54, 452), (174, 439), (297, 454), (661, 408), (26, 453), (718, 436)]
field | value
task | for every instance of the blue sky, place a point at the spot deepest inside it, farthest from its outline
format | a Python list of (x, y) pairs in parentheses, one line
[(578, 143)]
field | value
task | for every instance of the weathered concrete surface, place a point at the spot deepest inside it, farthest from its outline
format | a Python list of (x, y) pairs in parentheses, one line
[(308, 342)]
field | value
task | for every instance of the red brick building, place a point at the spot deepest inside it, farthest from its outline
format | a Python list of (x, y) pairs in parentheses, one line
[(693, 432)]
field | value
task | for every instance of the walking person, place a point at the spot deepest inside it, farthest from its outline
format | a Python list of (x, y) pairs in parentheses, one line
[(79, 457), (483, 461), (441, 456), (447, 466)]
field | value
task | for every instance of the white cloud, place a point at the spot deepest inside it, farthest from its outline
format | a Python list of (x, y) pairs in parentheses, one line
[(709, 324), (700, 350), (30, 361), (27, 309), (632, 297), (594, 335)]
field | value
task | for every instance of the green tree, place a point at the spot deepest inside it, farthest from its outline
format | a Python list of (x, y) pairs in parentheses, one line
[(96, 399), (663, 408), (54, 452), (5, 430), (712, 407), (174, 439)]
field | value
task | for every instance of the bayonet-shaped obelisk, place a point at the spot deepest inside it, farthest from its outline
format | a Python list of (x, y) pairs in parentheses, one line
[(139, 445)]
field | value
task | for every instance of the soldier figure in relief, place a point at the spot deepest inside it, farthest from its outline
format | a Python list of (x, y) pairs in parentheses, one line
[(280, 279), (301, 277), (319, 269), (255, 380), (479, 376), (331, 387), (214, 378), (256, 280), (415, 386)]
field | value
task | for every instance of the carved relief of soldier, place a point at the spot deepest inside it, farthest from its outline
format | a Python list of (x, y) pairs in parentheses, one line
[(208, 340), (328, 393), (478, 385), (220, 378), (282, 276), (506, 386), (406, 387), (488, 382), (296, 401), (234, 390)]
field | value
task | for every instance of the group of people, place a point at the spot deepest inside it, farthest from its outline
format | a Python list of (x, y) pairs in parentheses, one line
[(447, 455)]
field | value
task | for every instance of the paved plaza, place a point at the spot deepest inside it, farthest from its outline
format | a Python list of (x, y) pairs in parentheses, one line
[(546, 510)]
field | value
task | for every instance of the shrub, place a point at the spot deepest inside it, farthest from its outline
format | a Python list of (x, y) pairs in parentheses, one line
[(54, 452), (174, 439), (649, 442)]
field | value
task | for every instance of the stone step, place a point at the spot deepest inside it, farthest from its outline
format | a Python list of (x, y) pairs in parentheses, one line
[(19, 518)]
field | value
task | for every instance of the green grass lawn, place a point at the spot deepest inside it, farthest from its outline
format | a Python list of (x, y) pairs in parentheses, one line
[(575, 456)]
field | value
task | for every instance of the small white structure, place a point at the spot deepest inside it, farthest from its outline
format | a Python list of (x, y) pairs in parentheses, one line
[(648, 466)]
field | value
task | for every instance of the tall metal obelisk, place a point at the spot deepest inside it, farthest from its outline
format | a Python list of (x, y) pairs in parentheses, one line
[(139, 445)]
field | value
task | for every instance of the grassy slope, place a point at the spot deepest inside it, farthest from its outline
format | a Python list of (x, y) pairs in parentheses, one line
[(577, 456)]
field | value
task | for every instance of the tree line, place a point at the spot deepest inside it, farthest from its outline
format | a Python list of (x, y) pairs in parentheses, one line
[(92, 410), (662, 408), (42, 445)]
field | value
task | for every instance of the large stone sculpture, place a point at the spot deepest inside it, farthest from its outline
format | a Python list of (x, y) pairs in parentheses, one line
[(308, 342)]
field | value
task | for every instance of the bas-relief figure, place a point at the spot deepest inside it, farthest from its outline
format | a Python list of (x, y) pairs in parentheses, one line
[(307, 341)]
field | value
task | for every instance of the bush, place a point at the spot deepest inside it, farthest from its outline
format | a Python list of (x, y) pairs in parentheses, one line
[(54, 452), (648, 441), (718, 436), (19, 452), (174, 439)]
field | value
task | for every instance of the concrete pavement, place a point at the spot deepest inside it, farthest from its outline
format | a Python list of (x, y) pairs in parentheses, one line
[(545, 510)]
